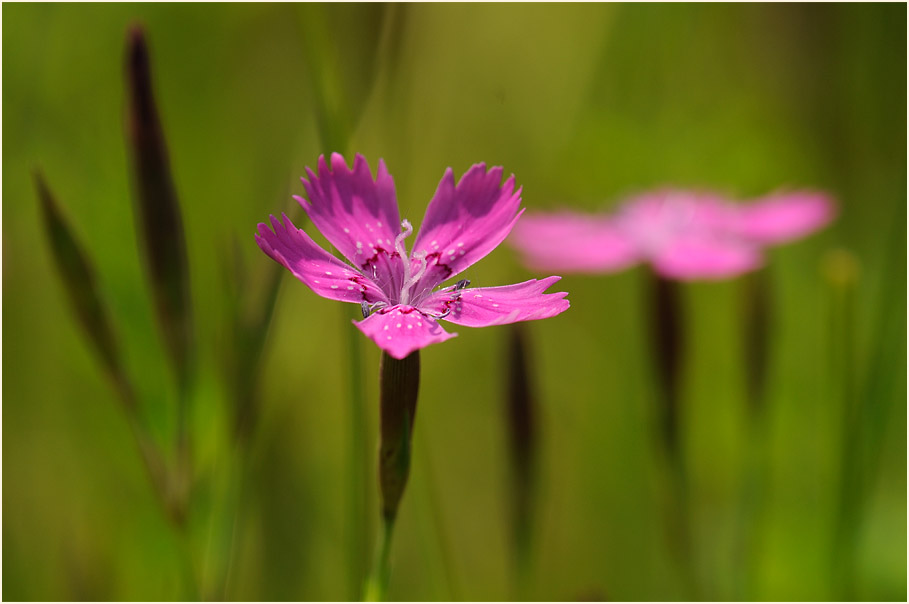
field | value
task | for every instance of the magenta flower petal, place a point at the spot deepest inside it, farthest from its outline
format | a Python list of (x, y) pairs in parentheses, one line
[(703, 257), (464, 222), (358, 215), (783, 217), (400, 330), (319, 270), (486, 306), (574, 242)]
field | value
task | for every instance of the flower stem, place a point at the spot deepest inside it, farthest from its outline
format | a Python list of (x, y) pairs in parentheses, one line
[(667, 347), (377, 584), (399, 384), (757, 325), (667, 341), (521, 425)]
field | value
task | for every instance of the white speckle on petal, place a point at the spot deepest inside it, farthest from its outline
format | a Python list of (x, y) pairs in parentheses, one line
[(386, 327), (350, 287), (389, 337), (433, 242), (419, 323), (409, 326), (327, 272), (495, 305), (398, 326), (378, 224), (460, 244), (334, 287), (346, 230), (317, 280), (478, 295), (451, 252)]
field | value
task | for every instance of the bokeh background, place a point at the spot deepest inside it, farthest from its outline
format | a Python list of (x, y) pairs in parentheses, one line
[(584, 104)]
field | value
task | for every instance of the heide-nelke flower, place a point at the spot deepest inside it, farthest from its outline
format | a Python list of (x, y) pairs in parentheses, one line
[(683, 235), (397, 289)]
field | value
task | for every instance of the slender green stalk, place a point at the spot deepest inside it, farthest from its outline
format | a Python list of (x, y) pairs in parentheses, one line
[(377, 584), (842, 274), (433, 508), (224, 528), (183, 472), (237, 502), (358, 471)]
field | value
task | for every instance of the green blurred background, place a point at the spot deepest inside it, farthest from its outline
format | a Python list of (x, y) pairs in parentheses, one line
[(584, 104)]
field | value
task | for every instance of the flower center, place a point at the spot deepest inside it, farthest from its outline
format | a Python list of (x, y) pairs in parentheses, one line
[(410, 277), (656, 222)]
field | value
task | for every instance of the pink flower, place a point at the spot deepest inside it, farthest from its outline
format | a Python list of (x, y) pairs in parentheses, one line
[(684, 235), (396, 290)]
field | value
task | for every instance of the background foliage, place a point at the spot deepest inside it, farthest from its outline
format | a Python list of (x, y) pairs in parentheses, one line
[(584, 103)]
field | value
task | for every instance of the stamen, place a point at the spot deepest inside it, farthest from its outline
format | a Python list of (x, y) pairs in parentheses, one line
[(441, 316), (364, 308), (399, 240), (461, 284), (402, 252), (411, 281)]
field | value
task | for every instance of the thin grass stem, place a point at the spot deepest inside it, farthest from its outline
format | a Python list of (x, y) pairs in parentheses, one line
[(357, 462)]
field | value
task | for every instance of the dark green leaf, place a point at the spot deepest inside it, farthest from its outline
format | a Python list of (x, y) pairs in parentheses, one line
[(78, 275), (157, 209)]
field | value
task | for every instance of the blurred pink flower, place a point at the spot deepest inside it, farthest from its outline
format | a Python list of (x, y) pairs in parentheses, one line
[(359, 216), (684, 235)]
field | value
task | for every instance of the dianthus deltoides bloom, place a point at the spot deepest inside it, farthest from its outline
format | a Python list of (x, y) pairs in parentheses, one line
[(684, 235), (396, 289)]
